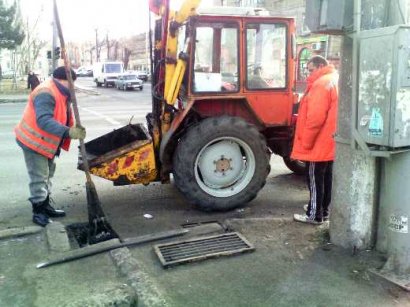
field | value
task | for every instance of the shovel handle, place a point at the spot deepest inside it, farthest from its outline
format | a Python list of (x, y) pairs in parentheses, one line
[(73, 98)]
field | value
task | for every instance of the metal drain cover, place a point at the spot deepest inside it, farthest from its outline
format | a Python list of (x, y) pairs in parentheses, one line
[(226, 244)]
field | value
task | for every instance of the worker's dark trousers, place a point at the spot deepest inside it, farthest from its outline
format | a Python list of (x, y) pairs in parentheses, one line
[(319, 179)]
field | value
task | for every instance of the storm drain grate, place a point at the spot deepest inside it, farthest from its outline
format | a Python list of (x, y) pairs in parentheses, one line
[(226, 244)]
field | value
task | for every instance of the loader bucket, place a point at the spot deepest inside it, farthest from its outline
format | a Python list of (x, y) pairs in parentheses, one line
[(124, 156)]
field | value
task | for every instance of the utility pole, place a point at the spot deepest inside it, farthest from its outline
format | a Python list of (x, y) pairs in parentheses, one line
[(54, 41), (370, 186), (97, 51), (355, 188), (107, 42), (28, 48)]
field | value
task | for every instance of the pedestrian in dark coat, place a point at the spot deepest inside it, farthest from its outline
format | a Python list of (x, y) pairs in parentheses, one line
[(32, 81)]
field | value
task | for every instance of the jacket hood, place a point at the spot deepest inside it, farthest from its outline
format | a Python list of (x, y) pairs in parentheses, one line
[(329, 69)]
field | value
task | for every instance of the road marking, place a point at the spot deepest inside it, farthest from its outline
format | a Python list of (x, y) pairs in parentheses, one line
[(107, 118)]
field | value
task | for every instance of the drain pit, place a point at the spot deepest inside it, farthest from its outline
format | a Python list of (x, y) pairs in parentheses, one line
[(78, 234)]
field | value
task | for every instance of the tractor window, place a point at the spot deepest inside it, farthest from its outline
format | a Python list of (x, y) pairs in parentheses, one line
[(266, 56), (216, 58)]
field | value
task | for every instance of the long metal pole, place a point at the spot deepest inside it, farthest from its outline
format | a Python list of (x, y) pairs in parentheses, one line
[(54, 41), (355, 65), (28, 48), (99, 229)]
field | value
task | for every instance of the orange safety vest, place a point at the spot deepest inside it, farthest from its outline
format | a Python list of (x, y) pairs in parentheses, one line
[(31, 135)]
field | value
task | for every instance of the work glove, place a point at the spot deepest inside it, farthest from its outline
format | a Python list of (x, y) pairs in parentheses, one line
[(77, 132)]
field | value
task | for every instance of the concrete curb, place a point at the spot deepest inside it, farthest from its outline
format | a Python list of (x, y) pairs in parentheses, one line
[(147, 292), (122, 295), (20, 98), (57, 237), (19, 232), (13, 100)]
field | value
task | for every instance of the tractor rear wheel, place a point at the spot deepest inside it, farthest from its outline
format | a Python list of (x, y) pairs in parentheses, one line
[(296, 166), (221, 163)]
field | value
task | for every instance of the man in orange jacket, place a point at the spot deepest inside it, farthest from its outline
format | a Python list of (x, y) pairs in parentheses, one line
[(46, 127), (314, 141)]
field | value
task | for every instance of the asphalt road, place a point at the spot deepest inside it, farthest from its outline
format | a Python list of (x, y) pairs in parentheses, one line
[(288, 267), (125, 206)]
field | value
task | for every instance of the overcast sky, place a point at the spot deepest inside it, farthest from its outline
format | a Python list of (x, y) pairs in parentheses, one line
[(80, 18)]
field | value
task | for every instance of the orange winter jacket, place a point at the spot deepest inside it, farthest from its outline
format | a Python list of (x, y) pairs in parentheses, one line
[(31, 135), (317, 117)]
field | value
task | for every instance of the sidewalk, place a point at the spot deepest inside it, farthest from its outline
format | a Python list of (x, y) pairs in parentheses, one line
[(291, 266), (20, 98), (13, 98), (91, 281)]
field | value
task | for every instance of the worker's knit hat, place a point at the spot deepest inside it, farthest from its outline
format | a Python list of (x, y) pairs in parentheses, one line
[(59, 73)]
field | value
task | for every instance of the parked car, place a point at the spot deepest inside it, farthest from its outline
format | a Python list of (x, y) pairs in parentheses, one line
[(8, 74), (84, 72), (142, 75), (127, 81)]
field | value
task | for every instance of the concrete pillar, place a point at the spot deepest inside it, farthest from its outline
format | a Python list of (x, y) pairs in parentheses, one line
[(355, 184)]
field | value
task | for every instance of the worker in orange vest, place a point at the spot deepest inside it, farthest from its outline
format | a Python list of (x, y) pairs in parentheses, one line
[(46, 127), (314, 142)]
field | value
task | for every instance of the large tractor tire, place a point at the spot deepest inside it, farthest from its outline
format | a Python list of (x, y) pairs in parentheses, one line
[(296, 166), (221, 163)]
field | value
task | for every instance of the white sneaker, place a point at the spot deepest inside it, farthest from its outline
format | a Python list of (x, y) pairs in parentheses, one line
[(305, 219), (305, 207)]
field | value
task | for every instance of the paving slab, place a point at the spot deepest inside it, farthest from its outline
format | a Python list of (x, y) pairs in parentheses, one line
[(91, 281), (292, 265)]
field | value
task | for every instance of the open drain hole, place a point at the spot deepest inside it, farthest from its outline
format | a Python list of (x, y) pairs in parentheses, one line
[(78, 235)]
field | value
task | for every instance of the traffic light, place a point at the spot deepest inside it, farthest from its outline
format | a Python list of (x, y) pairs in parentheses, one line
[(48, 54), (57, 52)]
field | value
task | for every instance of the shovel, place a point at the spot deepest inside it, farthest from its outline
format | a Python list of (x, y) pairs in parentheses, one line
[(99, 229)]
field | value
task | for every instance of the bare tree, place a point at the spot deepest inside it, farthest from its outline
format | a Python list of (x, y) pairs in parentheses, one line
[(11, 32), (126, 57), (31, 46)]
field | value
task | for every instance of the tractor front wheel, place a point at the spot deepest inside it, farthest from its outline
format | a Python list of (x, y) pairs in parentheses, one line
[(221, 163)]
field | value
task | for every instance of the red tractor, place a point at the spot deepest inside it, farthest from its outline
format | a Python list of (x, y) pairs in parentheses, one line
[(223, 100)]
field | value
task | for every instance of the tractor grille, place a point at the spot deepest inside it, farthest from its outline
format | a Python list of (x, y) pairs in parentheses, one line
[(202, 248)]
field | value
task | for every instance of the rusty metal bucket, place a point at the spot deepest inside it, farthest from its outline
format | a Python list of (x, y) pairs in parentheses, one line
[(124, 156)]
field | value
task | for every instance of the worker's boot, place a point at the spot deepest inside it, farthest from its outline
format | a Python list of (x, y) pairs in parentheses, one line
[(50, 211), (39, 217)]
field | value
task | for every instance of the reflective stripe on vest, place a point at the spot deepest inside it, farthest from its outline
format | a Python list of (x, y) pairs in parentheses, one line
[(42, 149), (26, 127)]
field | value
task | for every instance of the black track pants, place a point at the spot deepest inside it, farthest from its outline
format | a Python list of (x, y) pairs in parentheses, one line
[(319, 179)]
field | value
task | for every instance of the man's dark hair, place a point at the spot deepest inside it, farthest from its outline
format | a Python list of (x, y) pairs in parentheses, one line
[(318, 60)]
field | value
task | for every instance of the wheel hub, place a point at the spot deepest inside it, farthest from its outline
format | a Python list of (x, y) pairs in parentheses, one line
[(222, 165)]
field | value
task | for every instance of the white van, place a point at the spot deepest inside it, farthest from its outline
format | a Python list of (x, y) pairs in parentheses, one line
[(107, 72)]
